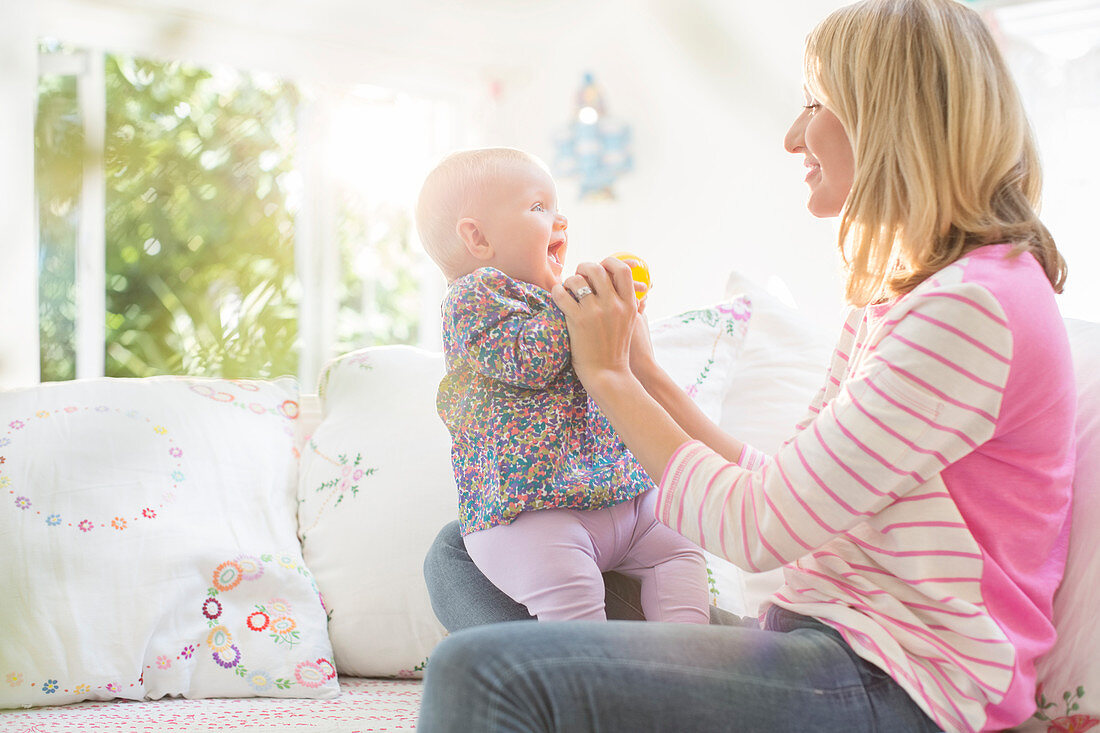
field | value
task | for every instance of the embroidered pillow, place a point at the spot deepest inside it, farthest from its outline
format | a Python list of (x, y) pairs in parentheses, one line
[(376, 486), (147, 528), (1069, 675), (777, 373), (699, 348)]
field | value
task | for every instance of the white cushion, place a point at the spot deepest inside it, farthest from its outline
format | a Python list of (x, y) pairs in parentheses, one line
[(700, 348), (776, 375), (376, 486), (148, 535), (1069, 674), (781, 368)]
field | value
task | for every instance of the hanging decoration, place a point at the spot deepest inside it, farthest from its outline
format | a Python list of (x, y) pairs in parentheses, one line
[(593, 147)]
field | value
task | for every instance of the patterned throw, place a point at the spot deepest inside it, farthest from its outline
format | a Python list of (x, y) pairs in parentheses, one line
[(363, 705)]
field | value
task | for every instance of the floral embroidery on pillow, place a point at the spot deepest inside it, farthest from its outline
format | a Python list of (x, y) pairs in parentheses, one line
[(1072, 721), (287, 409), (275, 618), (23, 496), (416, 672), (349, 475), (355, 359), (729, 320)]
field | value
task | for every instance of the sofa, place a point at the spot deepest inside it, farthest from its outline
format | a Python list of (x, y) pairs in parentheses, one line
[(187, 554)]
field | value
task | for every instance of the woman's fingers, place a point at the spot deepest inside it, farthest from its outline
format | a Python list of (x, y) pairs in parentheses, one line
[(578, 286), (565, 300), (621, 276), (596, 278)]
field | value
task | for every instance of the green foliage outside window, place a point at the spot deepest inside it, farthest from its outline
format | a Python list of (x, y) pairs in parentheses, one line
[(200, 207), (200, 233), (59, 142), (379, 293)]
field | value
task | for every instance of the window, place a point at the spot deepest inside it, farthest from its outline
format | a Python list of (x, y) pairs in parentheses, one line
[(231, 224)]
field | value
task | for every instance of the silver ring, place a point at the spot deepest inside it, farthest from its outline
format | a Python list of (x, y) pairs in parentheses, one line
[(582, 291)]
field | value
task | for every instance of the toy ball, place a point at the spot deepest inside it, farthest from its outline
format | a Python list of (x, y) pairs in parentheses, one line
[(640, 271)]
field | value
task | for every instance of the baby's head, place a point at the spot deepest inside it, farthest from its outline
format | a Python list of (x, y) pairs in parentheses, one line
[(493, 207)]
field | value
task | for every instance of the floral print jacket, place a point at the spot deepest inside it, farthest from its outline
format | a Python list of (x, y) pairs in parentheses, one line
[(525, 434)]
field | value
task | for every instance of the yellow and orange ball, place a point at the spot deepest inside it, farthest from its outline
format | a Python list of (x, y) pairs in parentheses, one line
[(639, 271)]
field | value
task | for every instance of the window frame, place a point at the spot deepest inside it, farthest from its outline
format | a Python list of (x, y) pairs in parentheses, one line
[(316, 246)]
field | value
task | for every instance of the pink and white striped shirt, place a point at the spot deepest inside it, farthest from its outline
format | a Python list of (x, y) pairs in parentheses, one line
[(922, 506)]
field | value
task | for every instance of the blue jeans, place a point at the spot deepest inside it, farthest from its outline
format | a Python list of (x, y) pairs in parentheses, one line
[(796, 674)]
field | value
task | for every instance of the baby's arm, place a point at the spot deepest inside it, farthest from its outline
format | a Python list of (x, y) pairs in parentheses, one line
[(493, 325)]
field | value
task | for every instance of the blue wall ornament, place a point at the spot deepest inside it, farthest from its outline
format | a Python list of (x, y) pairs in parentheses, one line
[(593, 147)]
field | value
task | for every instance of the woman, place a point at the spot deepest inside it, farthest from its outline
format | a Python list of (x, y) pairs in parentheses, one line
[(919, 512)]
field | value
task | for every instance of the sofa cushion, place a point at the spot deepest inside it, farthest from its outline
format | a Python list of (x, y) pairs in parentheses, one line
[(363, 706), (777, 373), (1069, 675), (376, 485), (148, 531), (700, 349)]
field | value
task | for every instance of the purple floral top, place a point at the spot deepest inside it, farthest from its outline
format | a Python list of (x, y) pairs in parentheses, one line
[(525, 434)]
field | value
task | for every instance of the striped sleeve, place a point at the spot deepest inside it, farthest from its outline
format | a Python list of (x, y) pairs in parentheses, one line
[(926, 391), (838, 367)]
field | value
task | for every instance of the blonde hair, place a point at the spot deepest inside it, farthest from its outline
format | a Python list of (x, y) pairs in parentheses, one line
[(447, 194), (945, 161)]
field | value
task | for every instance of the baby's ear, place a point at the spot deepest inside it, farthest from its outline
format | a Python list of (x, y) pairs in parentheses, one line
[(469, 231)]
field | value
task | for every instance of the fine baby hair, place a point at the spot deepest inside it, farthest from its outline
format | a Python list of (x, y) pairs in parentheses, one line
[(448, 191)]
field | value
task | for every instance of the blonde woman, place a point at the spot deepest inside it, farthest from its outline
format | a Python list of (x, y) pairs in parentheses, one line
[(920, 510)]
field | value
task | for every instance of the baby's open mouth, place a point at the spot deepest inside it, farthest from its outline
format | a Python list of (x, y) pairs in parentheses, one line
[(555, 251)]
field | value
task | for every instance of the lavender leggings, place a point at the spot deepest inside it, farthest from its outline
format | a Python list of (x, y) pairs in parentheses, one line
[(551, 561)]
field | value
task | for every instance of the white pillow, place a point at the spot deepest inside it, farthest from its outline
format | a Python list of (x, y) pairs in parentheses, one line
[(1069, 674), (376, 486), (147, 528), (699, 349), (777, 374), (780, 370)]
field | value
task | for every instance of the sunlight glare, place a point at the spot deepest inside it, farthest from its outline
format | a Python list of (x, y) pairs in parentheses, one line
[(377, 144)]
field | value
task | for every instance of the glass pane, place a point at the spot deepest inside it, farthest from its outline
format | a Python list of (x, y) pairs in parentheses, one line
[(200, 256), (382, 144), (379, 291), (58, 145)]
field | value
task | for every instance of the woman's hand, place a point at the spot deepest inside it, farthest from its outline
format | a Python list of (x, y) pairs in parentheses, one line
[(609, 340), (601, 322)]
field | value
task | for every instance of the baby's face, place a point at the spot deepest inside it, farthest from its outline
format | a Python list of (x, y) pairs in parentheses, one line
[(519, 216)]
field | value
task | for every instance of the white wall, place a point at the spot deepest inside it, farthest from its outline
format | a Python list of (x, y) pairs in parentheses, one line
[(709, 88)]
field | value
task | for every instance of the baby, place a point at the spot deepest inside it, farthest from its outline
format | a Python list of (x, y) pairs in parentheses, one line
[(549, 497)]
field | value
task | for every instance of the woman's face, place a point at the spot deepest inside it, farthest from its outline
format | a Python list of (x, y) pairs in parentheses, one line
[(818, 135)]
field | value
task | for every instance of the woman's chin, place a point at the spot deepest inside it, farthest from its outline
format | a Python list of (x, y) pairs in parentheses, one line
[(823, 210)]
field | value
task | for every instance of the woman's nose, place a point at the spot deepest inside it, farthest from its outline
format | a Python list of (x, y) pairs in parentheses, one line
[(560, 221), (794, 141)]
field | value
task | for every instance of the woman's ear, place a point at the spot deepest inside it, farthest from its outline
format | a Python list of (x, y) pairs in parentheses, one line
[(469, 231)]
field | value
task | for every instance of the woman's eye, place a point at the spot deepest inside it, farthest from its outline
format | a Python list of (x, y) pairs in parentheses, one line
[(537, 207), (812, 107)]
